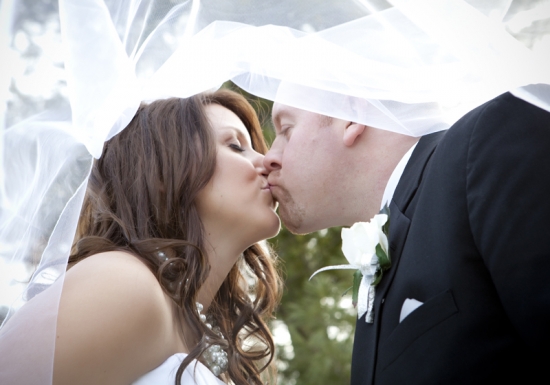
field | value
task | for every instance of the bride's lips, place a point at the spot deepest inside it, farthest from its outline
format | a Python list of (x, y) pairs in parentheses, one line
[(267, 188), (271, 186)]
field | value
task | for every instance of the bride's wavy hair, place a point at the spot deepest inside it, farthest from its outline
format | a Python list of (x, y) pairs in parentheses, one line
[(141, 199)]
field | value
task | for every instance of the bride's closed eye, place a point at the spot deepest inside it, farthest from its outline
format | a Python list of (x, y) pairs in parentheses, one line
[(236, 147)]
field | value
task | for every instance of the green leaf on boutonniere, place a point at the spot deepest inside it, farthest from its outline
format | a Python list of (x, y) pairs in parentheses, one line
[(357, 277), (383, 258), (377, 277), (384, 262), (386, 227)]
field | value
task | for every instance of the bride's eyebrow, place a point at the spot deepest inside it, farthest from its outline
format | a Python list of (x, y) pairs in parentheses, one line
[(240, 134)]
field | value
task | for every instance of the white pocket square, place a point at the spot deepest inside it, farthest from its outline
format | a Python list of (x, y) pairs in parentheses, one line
[(408, 307)]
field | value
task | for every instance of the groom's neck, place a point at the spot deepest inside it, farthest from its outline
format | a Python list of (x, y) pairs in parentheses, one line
[(382, 153)]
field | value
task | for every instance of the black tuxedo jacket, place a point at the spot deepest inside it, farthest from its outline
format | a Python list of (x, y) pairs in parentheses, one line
[(470, 238)]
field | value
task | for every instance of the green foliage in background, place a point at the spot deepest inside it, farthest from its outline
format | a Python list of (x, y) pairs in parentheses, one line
[(321, 321)]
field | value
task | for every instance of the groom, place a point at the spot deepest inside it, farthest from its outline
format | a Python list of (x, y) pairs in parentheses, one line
[(467, 297)]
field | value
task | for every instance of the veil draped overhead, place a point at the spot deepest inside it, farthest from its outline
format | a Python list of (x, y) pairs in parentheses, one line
[(409, 66)]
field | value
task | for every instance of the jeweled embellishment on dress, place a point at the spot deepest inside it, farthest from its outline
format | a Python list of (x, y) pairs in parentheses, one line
[(215, 357), (365, 246)]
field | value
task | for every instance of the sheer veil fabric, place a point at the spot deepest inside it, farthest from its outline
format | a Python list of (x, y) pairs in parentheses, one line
[(409, 66)]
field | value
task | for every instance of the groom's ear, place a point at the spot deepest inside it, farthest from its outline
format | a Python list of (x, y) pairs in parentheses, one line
[(352, 132)]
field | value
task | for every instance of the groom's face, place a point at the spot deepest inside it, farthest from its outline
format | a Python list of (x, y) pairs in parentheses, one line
[(304, 167)]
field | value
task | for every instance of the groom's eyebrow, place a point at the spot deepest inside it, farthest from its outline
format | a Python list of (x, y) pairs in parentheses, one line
[(275, 121), (276, 118)]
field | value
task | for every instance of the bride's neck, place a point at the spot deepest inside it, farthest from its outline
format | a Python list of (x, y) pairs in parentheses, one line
[(222, 256)]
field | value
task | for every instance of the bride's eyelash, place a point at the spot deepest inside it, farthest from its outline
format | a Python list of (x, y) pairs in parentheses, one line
[(236, 147)]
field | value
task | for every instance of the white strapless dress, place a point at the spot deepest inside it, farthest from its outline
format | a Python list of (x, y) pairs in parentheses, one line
[(195, 373)]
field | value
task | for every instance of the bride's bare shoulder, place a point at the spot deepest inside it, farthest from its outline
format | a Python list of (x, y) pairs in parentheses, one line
[(114, 324), (102, 277), (108, 261)]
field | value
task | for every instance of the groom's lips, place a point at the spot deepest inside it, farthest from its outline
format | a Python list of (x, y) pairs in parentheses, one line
[(271, 186)]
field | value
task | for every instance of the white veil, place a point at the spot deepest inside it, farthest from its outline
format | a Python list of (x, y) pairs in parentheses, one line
[(410, 66)]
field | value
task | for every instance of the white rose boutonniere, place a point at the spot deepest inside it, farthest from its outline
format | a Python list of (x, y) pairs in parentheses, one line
[(365, 246)]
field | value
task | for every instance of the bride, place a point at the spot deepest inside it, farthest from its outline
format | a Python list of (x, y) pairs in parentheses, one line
[(132, 283), (173, 213)]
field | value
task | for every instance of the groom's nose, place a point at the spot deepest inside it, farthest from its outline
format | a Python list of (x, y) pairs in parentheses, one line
[(273, 158)]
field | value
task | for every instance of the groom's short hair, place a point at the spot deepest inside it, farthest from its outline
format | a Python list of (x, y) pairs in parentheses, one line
[(326, 120)]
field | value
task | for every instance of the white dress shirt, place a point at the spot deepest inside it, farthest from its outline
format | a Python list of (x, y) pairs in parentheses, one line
[(395, 177), (410, 304)]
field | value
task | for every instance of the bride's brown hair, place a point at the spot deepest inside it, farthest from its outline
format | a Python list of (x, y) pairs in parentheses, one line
[(141, 199)]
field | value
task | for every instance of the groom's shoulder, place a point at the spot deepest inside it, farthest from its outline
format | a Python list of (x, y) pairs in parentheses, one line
[(504, 118), (503, 112)]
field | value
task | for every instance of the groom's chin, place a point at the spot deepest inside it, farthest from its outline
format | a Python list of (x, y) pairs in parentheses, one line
[(293, 230), (295, 220), (292, 218)]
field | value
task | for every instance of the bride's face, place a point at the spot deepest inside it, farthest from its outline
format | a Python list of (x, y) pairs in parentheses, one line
[(237, 201)]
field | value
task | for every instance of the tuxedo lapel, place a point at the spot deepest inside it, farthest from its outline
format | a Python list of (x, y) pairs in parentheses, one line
[(401, 210), (403, 205), (412, 175)]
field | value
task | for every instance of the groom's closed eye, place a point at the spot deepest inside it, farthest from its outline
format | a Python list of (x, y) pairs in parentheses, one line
[(285, 131)]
